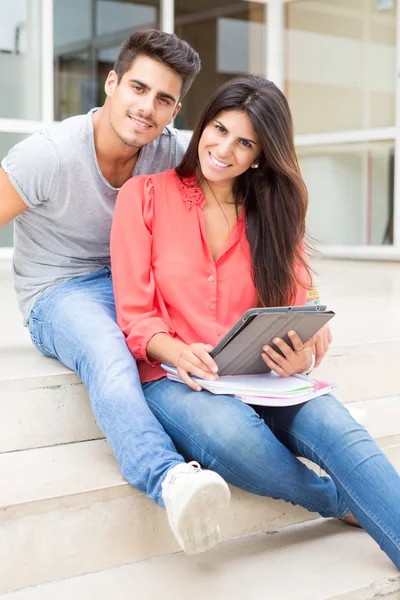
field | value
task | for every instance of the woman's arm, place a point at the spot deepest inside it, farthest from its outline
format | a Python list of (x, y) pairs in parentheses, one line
[(131, 260), (146, 324)]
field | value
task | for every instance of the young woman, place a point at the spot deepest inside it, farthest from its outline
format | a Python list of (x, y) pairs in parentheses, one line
[(194, 248)]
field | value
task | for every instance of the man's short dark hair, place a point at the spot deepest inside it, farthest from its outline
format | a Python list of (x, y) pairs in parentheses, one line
[(167, 48)]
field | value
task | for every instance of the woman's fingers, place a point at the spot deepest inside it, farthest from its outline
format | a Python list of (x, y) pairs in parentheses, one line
[(274, 366), (188, 380), (282, 365), (196, 361), (202, 351), (195, 365), (191, 368), (286, 350), (274, 355), (297, 344), (294, 360)]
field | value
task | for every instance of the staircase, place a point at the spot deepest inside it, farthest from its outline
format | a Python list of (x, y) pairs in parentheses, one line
[(71, 527)]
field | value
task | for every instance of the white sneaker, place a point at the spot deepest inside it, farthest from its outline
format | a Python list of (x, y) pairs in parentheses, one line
[(194, 500)]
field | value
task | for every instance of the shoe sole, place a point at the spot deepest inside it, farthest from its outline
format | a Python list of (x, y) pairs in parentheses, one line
[(198, 529)]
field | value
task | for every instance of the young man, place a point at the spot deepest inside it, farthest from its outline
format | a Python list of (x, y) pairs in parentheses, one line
[(60, 185)]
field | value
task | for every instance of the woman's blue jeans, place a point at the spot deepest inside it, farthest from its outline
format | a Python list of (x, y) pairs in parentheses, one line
[(75, 322), (255, 448)]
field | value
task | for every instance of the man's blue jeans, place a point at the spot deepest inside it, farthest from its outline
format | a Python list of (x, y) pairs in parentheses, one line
[(76, 323), (255, 449)]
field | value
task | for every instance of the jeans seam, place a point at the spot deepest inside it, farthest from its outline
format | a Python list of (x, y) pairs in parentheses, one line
[(391, 535), (34, 339), (37, 321), (39, 344)]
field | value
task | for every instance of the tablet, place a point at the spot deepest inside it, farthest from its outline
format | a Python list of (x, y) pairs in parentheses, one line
[(239, 352)]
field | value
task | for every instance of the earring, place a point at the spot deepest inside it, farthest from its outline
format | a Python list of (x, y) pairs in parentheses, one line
[(255, 165)]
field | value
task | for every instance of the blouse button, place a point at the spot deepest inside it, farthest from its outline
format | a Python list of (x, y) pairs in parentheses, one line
[(211, 278), (212, 306), (218, 333)]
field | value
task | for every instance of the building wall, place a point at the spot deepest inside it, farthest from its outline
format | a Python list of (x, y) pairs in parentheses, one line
[(340, 74)]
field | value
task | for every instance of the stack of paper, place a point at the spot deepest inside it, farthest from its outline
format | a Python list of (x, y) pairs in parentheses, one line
[(268, 389)]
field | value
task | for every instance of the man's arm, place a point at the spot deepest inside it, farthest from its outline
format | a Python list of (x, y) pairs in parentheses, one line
[(11, 203)]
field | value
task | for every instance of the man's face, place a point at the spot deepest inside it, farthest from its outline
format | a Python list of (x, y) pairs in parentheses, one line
[(144, 101)]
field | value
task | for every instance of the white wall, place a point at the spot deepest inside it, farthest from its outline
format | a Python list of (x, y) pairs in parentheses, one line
[(20, 74), (340, 65)]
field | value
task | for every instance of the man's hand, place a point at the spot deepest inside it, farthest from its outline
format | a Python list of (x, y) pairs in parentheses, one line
[(322, 341), (196, 360)]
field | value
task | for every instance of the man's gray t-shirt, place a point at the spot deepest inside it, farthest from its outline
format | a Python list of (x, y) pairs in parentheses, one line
[(66, 231)]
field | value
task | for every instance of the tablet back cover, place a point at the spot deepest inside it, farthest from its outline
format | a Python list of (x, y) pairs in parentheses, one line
[(242, 355)]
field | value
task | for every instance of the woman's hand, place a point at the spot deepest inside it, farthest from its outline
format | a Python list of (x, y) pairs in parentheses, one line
[(292, 361), (196, 360)]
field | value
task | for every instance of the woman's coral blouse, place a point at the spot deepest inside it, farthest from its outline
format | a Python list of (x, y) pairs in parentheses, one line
[(165, 278)]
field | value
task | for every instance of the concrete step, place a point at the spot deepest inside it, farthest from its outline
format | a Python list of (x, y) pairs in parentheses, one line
[(320, 560), (362, 370), (46, 404), (66, 510)]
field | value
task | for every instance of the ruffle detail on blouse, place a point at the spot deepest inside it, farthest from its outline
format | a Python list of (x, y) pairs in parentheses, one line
[(190, 191)]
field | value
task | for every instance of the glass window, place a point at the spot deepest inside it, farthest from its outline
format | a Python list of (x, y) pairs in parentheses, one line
[(87, 38), (114, 15), (7, 141), (75, 90), (229, 36), (350, 193), (106, 58), (20, 59), (341, 65), (72, 21)]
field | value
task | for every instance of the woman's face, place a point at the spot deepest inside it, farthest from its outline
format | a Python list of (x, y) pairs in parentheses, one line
[(228, 146)]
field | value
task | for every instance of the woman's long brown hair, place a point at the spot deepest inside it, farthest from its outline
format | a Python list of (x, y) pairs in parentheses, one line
[(274, 196)]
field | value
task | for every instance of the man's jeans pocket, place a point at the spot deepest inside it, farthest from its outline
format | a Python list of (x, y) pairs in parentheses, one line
[(36, 331)]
